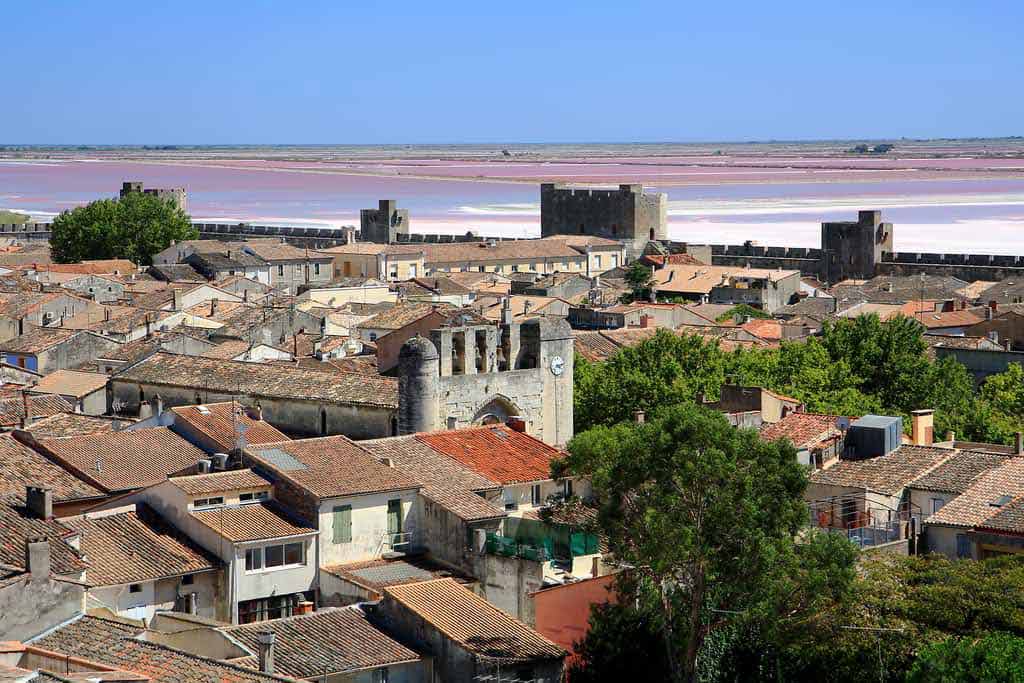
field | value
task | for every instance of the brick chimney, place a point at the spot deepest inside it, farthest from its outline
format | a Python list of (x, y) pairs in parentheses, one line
[(516, 423), (922, 427), (265, 641), (37, 558), (39, 502)]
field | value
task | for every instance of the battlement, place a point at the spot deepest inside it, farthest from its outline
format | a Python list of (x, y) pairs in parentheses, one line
[(627, 213)]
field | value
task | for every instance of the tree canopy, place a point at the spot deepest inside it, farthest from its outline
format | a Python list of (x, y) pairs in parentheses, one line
[(705, 515), (134, 227), (857, 366)]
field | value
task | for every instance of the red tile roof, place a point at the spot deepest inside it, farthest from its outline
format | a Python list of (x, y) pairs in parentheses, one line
[(331, 466), (887, 474), (12, 410), (16, 527), (329, 641), (118, 461), (804, 430), (136, 546), (20, 466), (498, 452), (219, 421), (977, 505), (217, 482), (472, 622), (251, 522)]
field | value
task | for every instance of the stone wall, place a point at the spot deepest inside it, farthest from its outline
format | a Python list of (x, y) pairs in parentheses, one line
[(623, 214)]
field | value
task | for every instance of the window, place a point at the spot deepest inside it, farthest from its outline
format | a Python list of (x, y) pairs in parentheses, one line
[(393, 273), (273, 556), (253, 559), (597, 261), (535, 494), (280, 271), (963, 546), (342, 524), (188, 579), (380, 675), (615, 260), (515, 267), (316, 269), (373, 336), (567, 488), (533, 267), (253, 497), (412, 270), (482, 269), (293, 553), (207, 502), (135, 588), (510, 500), (936, 505)]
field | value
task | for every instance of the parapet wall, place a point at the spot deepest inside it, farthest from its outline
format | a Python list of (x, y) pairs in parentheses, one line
[(26, 231), (969, 267), (416, 238)]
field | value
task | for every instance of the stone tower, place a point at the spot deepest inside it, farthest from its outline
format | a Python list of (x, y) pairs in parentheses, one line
[(852, 249), (485, 374), (177, 195), (628, 214), (384, 224)]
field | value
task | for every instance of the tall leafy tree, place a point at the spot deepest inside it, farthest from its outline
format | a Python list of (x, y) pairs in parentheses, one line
[(134, 227), (639, 278), (705, 516)]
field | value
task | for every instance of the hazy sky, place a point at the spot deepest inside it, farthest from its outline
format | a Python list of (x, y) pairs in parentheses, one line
[(306, 71)]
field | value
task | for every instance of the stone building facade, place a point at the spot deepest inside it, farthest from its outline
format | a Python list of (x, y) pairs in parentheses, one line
[(482, 374), (628, 213)]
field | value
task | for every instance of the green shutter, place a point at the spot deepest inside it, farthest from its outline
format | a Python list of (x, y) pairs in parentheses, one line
[(342, 524)]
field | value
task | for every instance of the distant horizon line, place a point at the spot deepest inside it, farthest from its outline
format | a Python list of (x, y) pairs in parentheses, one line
[(169, 146)]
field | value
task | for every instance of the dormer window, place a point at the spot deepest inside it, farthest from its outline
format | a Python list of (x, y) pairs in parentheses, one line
[(200, 503), (253, 497)]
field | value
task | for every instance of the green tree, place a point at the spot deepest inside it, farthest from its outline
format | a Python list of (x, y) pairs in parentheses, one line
[(621, 644), (134, 228), (995, 657), (639, 278), (705, 516), (741, 311)]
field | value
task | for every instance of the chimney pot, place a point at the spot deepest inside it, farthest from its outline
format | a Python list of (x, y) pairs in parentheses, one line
[(265, 640), (39, 501), (921, 427), (37, 558)]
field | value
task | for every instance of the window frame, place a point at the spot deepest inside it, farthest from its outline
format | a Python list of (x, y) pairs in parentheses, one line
[(207, 503)]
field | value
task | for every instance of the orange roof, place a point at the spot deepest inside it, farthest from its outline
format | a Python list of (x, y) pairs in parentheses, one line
[(804, 430), (100, 267), (496, 451), (219, 422), (765, 329)]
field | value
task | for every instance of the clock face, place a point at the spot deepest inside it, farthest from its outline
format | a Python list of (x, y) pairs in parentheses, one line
[(557, 365)]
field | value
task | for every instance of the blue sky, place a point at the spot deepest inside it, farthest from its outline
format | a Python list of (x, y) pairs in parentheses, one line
[(307, 71)]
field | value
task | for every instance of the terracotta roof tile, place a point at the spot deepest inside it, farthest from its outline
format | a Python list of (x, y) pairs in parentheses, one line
[(399, 316), (136, 546), (329, 641), (263, 379), (958, 472), (38, 339), (374, 575), (97, 267), (1008, 519), (502, 250), (887, 474), (20, 466), (331, 466), (119, 461), (497, 452), (804, 430), (72, 424), (981, 501), (70, 383), (16, 527), (251, 522), (112, 643), (445, 480), (216, 482), (13, 409), (472, 622), (963, 318), (219, 423)]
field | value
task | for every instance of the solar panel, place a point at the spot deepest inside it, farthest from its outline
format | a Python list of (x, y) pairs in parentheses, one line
[(281, 460)]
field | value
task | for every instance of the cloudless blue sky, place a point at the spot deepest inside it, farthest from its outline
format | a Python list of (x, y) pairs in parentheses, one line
[(312, 71)]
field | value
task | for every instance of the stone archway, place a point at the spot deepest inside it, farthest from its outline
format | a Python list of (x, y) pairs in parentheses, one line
[(496, 410)]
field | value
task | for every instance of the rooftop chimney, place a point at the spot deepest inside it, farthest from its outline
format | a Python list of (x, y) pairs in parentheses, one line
[(39, 501), (145, 410), (921, 427), (265, 641), (176, 299), (158, 405), (37, 558), (516, 423)]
